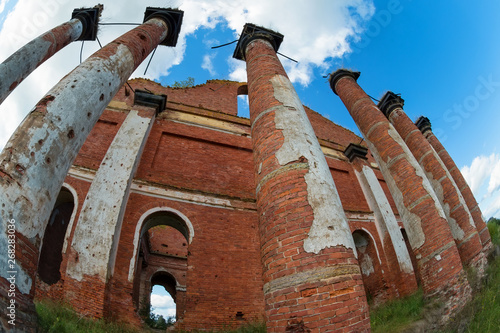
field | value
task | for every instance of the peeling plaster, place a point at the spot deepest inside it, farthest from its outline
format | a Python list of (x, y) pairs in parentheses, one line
[(97, 233), (456, 231), (411, 221), (73, 216), (384, 217), (25, 60), (460, 196), (329, 227)]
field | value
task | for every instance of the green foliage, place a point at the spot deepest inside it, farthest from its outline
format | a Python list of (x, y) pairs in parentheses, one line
[(494, 228), (57, 317), (189, 82), (397, 314)]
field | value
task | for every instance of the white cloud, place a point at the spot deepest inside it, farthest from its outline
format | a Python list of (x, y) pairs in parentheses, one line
[(163, 305), (208, 65), (483, 177), (315, 32)]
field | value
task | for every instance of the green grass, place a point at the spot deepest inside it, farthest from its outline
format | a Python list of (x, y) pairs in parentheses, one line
[(57, 317), (482, 314), (60, 318), (395, 315), (484, 309)]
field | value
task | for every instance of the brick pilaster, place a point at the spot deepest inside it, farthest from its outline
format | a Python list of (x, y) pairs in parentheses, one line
[(424, 125), (311, 274), (459, 218), (399, 272), (425, 222)]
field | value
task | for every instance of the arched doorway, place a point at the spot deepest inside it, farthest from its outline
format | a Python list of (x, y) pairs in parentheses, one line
[(50, 259), (162, 261), (369, 262)]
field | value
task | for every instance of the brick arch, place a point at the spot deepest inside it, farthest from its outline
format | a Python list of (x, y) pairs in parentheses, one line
[(370, 264), (56, 234), (73, 215), (173, 218)]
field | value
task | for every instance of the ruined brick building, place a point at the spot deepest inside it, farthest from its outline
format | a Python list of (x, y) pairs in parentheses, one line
[(285, 216)]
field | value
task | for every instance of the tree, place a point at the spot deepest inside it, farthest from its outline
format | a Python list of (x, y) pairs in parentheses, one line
[(189, 82)]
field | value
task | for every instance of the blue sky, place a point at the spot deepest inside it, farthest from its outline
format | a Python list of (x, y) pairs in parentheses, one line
[(442, 57)]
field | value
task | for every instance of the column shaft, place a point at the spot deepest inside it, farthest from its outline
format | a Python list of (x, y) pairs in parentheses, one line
[(459, 218), (96, 235), (425, 222), (25, 60), (464, 188), (400, 273), (311, 275), (37, 157)]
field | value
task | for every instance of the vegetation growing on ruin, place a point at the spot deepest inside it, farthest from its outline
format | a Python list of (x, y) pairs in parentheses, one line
[(482, 314), (395, 315), (58, 317)]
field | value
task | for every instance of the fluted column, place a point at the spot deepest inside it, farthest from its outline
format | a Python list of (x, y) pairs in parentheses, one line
[(400, 273), (459, 218), (311, 275), (424, 125), (423, 217), (37, 157), (82, 26)]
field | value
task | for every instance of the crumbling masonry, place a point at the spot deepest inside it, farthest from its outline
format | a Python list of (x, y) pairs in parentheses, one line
[(284, 217)]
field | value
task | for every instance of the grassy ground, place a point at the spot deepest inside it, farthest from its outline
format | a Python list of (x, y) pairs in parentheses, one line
[(57, 317), (482, 314), (395, 316)]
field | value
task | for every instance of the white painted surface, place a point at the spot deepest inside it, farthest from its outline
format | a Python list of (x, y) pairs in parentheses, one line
[(25, 60), (73, 215), (78, 101), (384, 217), (411, 221), (138, 233), (98, 229), (329, 227)]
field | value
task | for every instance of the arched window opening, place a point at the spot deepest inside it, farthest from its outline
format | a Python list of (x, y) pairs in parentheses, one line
[(369, 263), (160, 276), (243, 107), (53, 239), (412, 257)]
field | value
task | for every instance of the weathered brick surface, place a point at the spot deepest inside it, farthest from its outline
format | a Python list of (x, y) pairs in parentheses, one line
[(396, 282), (199, 147), (465, 235), (474, 209), (323, 291), (441, 275)]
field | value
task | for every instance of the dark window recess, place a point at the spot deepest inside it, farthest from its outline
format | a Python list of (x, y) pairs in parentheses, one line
[(53, 240)]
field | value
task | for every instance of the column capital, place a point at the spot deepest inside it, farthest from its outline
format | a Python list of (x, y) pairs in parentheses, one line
[(340, 73), (171, 17), (145, 98), (251, 32), (90, 20), (423, 124), (390, 102), (354, 150)]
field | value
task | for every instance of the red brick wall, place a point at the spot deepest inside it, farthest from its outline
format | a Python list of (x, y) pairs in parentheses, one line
[(224, 267)]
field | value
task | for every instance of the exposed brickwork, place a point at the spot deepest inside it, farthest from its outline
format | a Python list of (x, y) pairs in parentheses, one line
[(199, 161), (466, 236), (445, 274), (323, 291), (397, 282), (474, 209)]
